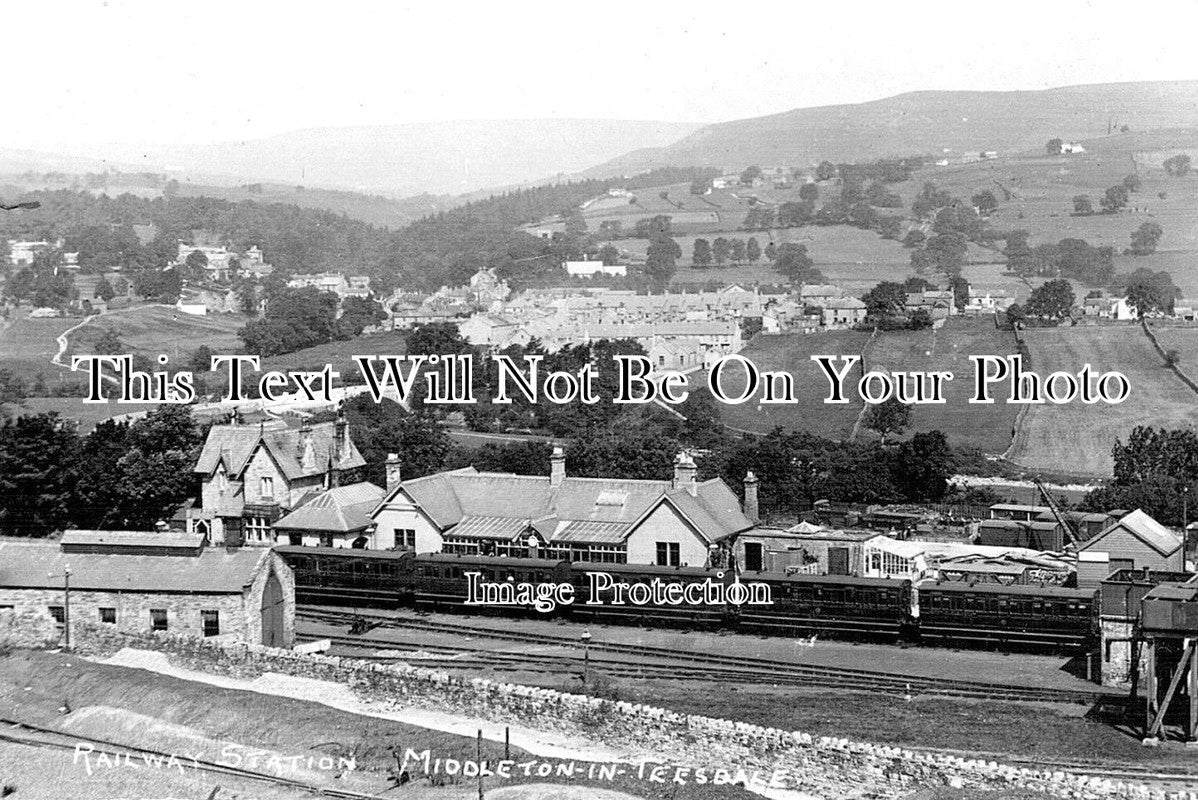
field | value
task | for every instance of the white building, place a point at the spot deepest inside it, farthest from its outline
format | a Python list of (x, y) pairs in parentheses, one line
[(589, 269)]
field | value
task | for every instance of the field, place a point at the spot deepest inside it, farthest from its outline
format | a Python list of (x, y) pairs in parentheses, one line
[(1076, 438), (792, 353), (985, 427), (161, 329), (27, 345), (982, 427)]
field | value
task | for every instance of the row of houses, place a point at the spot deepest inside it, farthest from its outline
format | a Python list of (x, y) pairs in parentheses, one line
[(221, 264)]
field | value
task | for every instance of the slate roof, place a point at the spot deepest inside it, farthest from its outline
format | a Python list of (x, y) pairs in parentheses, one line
[(236, 443), (342, 510), (30, 566), (1144, 528), (466, 502), (118, 539)]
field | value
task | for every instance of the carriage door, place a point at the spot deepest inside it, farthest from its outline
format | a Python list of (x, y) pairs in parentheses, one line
[(753, 556), (272, 612), (838, 561)]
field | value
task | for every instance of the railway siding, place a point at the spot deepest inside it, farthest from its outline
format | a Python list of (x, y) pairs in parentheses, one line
[(826, 766)]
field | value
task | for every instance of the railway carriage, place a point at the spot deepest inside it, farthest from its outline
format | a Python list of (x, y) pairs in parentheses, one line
[(1042, 617), (348, 577), (679, 615), (831, 605), (439, 580)]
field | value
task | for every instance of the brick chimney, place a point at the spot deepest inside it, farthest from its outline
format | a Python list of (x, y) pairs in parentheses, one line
[(393, 474), (684, 472), (751, 510), (557, 467)]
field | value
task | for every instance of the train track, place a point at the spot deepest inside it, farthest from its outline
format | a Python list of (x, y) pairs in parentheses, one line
[(713, 666), (23, 733)]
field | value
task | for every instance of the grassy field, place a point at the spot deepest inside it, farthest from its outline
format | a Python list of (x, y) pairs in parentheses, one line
[(792, 353), (1076, 438), (160, 329), (987, 428), (27, 345)]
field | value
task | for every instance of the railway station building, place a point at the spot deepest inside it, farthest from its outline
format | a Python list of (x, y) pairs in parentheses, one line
[(140, 581), (677, 522)]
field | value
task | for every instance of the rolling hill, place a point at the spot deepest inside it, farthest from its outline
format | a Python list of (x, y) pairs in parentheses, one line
[(451, 157), (924, 122)]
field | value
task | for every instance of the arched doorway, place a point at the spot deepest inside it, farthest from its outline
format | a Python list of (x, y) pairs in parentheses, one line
[(272, 612)]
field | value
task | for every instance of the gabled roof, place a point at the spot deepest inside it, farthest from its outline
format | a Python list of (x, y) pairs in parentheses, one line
[(341, 510), (1144, 528), (580, 509), (40, 565), (234, 444)]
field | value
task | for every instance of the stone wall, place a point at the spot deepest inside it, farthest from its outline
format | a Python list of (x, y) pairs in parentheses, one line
[(26, 627), (1117, 636), (824, 766)]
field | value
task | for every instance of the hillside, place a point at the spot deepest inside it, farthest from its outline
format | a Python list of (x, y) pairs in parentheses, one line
[(925, 122), (451, 157)]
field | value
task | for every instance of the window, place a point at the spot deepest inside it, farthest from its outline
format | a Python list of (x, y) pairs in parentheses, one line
[(158, 619), (668, 554), (108, 615), (266, 487), (58, 614), (211, 622), (257, 529), (405, 537)]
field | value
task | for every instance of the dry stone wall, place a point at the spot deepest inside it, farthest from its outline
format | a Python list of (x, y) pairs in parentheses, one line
[(822, 766)]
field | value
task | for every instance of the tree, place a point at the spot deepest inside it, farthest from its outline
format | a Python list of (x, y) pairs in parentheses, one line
[(357, 314), (914, 238), (1151, 292), (661, 261), (948, 251), (920, 320), (294, 319), (720, 249), (104, 290), (737, 250), (609, 255), (701, 257), (771, 252), (1156, 470), (1015, 314), (825, 171), (109, 343), (382, 428), (35, 483), (196, 263), (1114, 199), (809, 192), (749, 175), (201, 359), (1132, 183), (1145, 239), (1054, 147), (1178, 166), (924, 465), (888, 417), (752, 250), (1052, 300), (985, 202), (794, 262), (887, 297), (699, 186), (1082, 207)]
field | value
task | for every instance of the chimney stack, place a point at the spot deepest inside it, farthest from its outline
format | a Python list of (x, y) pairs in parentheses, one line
[(393, 474), (341, 436), (304, 452), (751, 510), (557, 467), (684, 472)]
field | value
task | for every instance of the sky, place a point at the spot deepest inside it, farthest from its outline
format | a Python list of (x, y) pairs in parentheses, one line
[(92, 71)]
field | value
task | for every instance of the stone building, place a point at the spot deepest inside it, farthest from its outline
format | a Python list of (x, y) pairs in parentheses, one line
[(675, 522), (254, 474), (137, 582)]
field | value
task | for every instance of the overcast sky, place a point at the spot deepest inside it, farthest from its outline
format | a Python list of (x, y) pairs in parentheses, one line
[(92, 71)]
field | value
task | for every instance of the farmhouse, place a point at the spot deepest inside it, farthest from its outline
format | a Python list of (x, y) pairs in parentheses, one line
[(145, 581), (844, 312), (493, 330), (1104, 307), (989, 303), (666, 522)]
